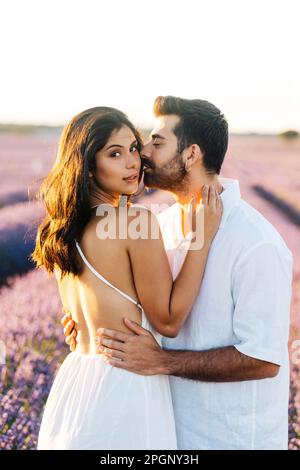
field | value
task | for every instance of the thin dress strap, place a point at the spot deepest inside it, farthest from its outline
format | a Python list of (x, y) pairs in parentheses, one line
[(105, 280)]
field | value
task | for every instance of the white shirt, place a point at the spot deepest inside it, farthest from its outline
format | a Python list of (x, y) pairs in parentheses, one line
[(244, 301)]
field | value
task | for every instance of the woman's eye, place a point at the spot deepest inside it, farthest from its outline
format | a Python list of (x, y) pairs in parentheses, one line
[(116, 154), (134, 149)]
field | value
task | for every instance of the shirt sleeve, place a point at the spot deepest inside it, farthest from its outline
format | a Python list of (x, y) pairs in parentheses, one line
[(261, 288)]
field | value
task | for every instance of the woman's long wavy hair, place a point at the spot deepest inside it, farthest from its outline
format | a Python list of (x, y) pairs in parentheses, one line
[(65, 190)]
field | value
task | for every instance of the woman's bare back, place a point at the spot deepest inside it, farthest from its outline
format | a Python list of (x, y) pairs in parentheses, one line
[(94, 304)]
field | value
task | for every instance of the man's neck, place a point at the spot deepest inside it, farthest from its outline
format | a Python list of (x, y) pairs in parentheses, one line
[(195, 189)]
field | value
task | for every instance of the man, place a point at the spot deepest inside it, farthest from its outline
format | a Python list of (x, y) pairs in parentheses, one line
[(228, 366)]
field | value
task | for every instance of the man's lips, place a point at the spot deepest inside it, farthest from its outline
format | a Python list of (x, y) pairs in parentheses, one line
[(147, 167)]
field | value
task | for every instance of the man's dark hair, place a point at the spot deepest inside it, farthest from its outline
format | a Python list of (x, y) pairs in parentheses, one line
[(201, 123)]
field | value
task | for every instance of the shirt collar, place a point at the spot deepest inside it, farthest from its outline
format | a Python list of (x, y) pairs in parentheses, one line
[(173, 236), (231, 197)]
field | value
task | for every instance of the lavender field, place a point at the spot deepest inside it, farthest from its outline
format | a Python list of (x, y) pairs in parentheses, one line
[(30, 307), (24, 160)]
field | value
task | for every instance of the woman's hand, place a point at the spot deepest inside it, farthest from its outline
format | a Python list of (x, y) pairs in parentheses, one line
[(207, 212), (213, 209)]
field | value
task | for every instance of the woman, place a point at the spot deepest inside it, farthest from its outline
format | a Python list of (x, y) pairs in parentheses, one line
[(91, 404)]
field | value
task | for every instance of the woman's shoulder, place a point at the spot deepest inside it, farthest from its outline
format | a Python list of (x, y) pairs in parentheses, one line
[(142, 224), (138, 205), (141, 211)]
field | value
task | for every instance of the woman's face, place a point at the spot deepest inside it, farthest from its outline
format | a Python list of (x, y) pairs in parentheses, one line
[(118, 163)]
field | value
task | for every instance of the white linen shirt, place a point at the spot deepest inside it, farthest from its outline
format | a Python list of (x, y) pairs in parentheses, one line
[(244, 301)]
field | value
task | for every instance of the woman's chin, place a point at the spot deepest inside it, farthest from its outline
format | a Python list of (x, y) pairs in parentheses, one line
[(131, 188)]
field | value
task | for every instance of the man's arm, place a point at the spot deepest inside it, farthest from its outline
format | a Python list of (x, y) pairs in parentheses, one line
[(217, 365), (140, 353)]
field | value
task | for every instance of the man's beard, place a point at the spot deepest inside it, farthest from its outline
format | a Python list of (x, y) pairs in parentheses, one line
[(170, 177)]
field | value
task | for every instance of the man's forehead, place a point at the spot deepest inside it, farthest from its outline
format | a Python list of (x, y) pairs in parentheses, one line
[(164, 125)]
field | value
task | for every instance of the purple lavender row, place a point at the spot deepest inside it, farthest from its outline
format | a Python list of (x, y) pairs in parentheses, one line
[(31, 331), (18, 224)]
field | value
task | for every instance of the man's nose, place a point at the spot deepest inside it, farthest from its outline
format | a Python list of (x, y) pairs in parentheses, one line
[(146, 151)]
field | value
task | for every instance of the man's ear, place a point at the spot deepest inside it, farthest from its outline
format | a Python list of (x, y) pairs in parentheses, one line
[(191, 155)]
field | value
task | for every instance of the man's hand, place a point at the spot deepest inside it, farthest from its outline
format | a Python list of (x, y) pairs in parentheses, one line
[(139, 352), (70, 330)]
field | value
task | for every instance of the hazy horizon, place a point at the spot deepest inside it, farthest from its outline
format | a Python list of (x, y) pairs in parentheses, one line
[(25, 128)]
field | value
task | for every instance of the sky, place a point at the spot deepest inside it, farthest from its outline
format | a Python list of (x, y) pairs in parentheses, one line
[(59, 57)]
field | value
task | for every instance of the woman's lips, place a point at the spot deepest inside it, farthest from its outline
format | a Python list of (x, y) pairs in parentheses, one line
[(131, 179)]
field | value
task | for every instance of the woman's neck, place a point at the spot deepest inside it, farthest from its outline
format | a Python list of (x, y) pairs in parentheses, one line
[(98, 196), (105, 199)]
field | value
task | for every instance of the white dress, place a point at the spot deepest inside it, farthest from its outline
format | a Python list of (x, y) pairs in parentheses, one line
[(93, 405)]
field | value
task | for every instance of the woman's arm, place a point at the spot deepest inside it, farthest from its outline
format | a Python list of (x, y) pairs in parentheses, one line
[(167, 303)]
